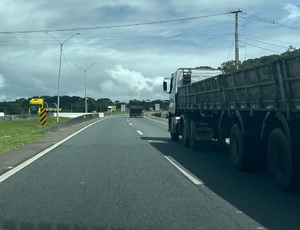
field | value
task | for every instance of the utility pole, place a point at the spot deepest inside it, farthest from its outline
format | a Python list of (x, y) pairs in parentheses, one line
[(58, 87), (85, 98), (236, 35)]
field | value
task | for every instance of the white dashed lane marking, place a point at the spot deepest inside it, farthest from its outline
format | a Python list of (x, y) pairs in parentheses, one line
[(139, 132)]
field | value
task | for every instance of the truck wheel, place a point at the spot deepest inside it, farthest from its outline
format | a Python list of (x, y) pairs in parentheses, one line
[(185, 139), (280, 162), (174, 136), (240, 149)]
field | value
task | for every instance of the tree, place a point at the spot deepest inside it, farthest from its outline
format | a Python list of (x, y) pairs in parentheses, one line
[(228, 66), (291, 50), (92, 104), (103, 103)]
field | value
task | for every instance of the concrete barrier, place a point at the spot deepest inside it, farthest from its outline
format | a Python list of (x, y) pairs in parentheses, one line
[(164, 114), (70, 115), (72, 121)]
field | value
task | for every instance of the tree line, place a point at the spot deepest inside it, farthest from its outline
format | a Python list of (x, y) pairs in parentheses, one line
[(72, 104), (67, 104), (229, 66)]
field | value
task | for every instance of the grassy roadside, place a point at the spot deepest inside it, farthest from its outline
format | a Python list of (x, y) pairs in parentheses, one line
[(16, 133)]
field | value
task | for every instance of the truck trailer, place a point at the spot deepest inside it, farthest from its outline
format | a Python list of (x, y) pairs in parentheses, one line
[(136, 108), (256, 111)]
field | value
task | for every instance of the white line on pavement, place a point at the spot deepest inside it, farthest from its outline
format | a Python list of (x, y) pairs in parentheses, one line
[(139, 132), (184, 171)]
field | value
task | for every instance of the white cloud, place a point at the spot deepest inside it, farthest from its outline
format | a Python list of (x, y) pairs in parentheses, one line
[(293, 10), (135, 80), (129, 84)]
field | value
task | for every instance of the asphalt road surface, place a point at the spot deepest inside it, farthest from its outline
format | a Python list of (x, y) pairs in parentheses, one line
[(125, 173)]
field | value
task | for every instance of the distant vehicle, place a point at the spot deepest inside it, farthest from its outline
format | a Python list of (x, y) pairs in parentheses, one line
[(36, 104), (256, 110), (136, 108), (109, 109)]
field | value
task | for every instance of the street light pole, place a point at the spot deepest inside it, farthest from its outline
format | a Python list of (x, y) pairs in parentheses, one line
[(85, 98), (59, 70)]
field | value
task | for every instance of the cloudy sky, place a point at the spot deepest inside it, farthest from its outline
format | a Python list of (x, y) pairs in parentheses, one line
[(132, 52)]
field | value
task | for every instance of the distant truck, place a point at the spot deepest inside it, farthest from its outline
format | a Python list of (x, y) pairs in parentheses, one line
[(256, 111), (111, 109), (36, 104), (136, 108)]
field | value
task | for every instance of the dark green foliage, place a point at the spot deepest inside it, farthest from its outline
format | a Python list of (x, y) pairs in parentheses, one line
[(67, 104), (72, 104), (229, 66)]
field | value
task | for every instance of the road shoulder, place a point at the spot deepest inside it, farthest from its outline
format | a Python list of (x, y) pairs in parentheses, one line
[(14, 157)]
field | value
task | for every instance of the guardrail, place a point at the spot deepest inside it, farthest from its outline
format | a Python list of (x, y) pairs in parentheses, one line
[(17, 117), (6, 118), (21, 117)]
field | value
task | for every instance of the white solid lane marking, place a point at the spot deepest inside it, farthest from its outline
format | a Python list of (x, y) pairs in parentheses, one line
[(37, 156), (157, 141), (139, 132), (184, 171)]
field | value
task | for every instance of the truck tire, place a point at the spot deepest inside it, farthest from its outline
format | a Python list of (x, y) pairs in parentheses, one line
[(240, 149), (185, 134), (280, 162)]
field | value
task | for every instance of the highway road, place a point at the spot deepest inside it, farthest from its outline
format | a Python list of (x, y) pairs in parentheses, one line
[(125, 173)]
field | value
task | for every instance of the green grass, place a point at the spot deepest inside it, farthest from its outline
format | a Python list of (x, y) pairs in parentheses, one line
[(16, 133)]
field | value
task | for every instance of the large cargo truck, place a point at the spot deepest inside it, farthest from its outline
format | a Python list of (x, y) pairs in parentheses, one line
[(256, 111), (37, 104), (136, 108)]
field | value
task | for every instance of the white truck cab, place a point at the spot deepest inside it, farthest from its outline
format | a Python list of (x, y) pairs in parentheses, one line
[(184, 76)]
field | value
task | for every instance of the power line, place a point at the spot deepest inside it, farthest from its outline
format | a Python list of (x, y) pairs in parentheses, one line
[(273, 51), (264, 20), (70, 68), (269, 39), (40, 41), (113, 26), (267, 43)]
